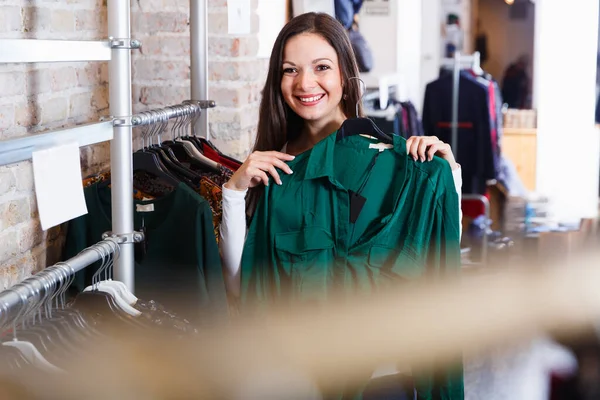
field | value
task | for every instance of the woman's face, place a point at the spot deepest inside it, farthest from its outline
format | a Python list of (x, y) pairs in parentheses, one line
[(312, 80)]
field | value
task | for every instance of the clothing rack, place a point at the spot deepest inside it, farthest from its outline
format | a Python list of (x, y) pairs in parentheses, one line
[(15, 298), (188, 107), (457, 63), (386, 85), (117, 51)]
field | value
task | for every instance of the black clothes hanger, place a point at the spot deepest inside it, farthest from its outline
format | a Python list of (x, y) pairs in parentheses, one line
[(150, 162), (362, 126)]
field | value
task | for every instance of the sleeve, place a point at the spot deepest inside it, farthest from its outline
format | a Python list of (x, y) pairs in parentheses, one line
[(457, 176), (232, 237), (209, 262), (258, 269), (444, 261)]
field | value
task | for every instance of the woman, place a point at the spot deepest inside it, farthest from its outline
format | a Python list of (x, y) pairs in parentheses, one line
[(307, 97)]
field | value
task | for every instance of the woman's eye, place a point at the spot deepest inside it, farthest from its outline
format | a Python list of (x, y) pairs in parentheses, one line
[(323, 67), (289, 70)]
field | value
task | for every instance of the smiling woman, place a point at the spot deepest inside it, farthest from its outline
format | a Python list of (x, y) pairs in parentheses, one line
[(338, 215)]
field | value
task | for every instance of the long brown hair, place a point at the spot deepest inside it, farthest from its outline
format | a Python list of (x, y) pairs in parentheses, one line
[(277, 122)]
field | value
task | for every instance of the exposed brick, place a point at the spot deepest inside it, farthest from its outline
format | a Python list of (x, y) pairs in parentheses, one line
[(233, 46), (161, 70), (39, 81), (54, 110), (88, 20), (63, 21), (236, 70), (12, 83), (7, 117), (163, 95), (7, 181), (18, 211), (100, 98), (218, 23), (151, 23), (166, 46), (36, 19), (64, 78), (30, 235), (80, 105), (10, 19), (88, 75), (103, 73), (33, 206), (10, 246), (24, 175), (27, 114)]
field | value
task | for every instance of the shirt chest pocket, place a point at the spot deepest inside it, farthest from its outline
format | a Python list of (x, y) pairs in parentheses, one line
[(305, 259)]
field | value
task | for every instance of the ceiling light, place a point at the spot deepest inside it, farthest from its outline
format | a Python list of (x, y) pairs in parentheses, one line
[(509, 2)]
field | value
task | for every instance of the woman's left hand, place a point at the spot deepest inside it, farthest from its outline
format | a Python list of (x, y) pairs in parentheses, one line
[(425, 147)]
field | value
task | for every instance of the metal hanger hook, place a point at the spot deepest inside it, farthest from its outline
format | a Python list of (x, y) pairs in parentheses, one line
[(361, 92)]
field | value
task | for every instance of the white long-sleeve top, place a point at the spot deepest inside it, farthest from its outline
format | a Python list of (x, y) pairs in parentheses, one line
[(233, 232)]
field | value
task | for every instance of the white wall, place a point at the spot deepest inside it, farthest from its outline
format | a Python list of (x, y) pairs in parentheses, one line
[(395, 40), (564, 91), (430, 43), (507, 38), (271, 18)]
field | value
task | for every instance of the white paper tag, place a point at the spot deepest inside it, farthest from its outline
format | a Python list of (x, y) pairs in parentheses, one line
[(58, 184), (144, 207), (239, 16), (381, 146)]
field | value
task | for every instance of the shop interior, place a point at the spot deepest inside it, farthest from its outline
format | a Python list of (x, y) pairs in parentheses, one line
[(121, 122)]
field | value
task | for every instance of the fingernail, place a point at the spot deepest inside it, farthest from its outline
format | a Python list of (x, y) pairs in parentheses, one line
[(291, 172), (414, 158)]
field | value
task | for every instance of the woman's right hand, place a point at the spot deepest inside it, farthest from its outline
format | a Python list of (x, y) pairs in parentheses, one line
[(254, 170)]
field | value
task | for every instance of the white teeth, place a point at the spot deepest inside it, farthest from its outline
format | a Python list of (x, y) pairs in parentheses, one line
[(310, 99)]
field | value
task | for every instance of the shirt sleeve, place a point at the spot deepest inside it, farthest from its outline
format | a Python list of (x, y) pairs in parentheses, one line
[(233, 235), (457, 176)]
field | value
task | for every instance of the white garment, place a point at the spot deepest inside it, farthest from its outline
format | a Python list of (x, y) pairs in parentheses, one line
[(233, 232)]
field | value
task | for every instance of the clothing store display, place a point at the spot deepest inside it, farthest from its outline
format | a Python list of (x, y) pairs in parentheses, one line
[(477, 145), (233, 229), (401, 118), (400, 232), (181, 268)]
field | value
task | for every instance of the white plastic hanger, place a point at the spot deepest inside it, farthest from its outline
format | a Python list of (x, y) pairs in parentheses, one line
[(109, 288), (29, 351)]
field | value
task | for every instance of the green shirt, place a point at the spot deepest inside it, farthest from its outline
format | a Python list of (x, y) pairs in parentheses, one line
[(302, 246), (181, 268)]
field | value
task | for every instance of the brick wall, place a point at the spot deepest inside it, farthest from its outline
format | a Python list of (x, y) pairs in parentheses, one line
[(38, 97), (161, 70)]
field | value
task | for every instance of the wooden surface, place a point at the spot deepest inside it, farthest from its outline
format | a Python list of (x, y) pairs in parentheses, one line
[(520, 146)]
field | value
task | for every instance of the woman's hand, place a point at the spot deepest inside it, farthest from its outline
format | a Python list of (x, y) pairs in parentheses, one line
[(425, 147), (254, 170)]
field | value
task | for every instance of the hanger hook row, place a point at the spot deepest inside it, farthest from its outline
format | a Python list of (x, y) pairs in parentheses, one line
[(361, 92)]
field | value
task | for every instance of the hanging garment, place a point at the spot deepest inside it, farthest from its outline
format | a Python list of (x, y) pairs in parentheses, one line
[(313, 238), (181, 267), (475, 151)]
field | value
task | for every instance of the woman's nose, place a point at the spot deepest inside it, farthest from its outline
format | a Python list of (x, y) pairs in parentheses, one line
[(306, 81)]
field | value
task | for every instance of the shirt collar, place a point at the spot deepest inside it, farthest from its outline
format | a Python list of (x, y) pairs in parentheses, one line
[(320, 159)]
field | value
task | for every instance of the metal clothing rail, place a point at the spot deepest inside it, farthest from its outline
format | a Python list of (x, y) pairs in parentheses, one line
[(18, 296), (457, 63), (116, 50), (36, 50), (189, 107), (199, 59), (21, 149)]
